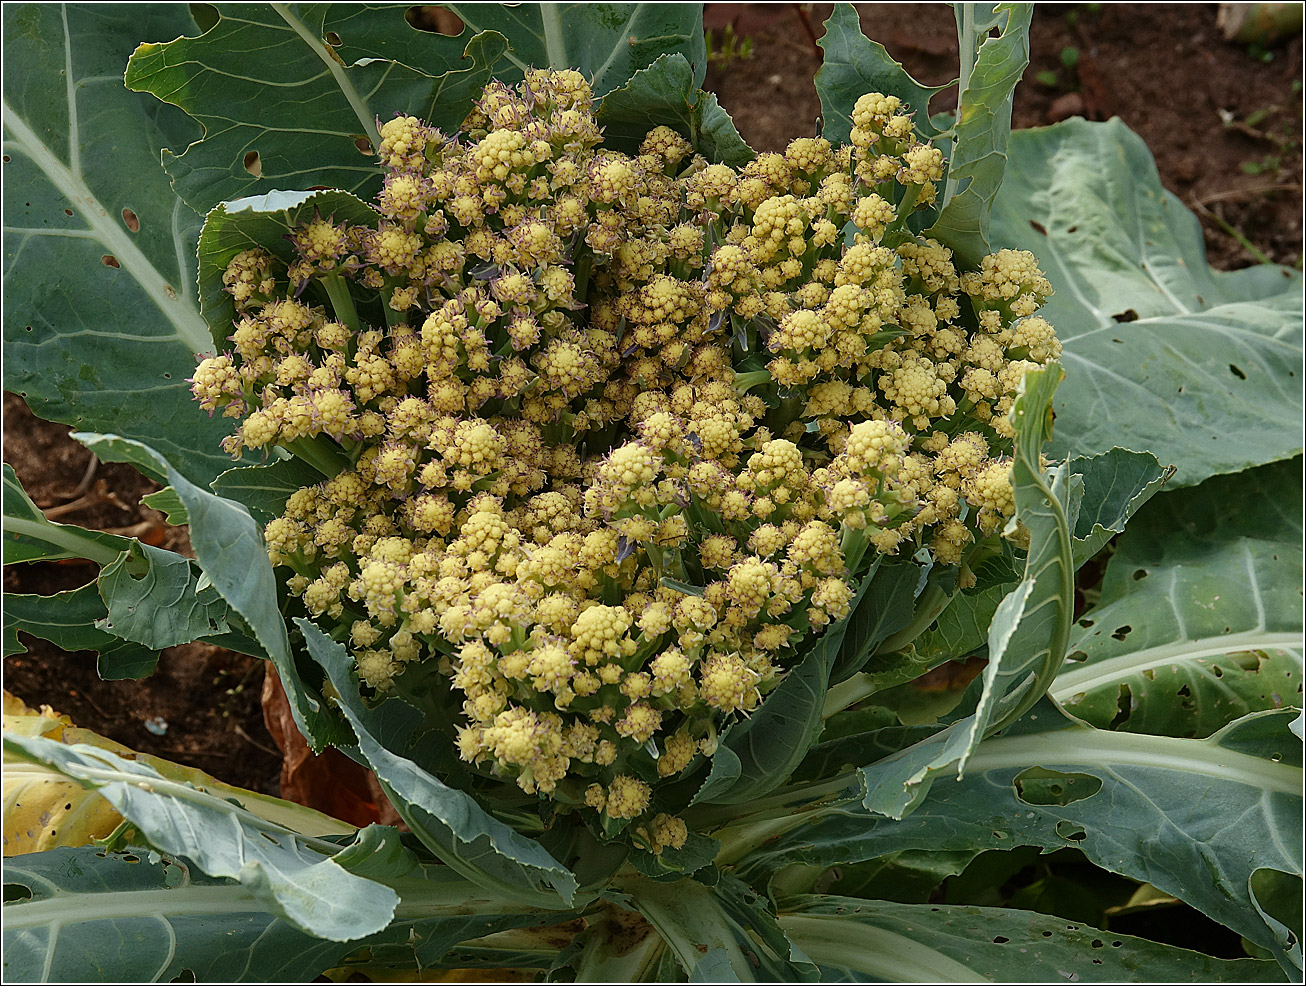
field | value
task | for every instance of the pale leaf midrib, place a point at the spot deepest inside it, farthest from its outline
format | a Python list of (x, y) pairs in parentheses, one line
[(185, 318), (1103, 748), (1105, 672), (554, 48), (347, 88), (60, 910), (871, 949)]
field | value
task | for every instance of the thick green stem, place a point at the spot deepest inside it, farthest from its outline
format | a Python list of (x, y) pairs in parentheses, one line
[(760, 826), (744, 382), (853, 545), (780, 803), (966, 55), (320, 454), (848, 692), (790, 409), (932, 603), (62, 536), (581, 276), (342, 302)]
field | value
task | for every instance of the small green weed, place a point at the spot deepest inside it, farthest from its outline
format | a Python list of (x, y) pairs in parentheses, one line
[(732, 46), (1065, 77)]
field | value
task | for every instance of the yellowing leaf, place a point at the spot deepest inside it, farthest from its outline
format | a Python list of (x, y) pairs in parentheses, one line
[(43, 809)]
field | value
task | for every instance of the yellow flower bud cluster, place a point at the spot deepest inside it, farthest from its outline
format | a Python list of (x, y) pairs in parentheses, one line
[(606, 438)]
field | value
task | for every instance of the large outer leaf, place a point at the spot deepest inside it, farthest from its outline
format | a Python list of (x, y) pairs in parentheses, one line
[(43, 809), (1199, 367), (292, 875), (1195, 818), (881, 941), (101, 322), (82, 915), (978, 156), (1028, 634), (313, 100), (123, 917), (1197, 625), (68, 620), (853, 66), (448, 821), (58, 817)]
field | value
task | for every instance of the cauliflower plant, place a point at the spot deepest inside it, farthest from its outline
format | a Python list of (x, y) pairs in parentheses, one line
[(624, 433)]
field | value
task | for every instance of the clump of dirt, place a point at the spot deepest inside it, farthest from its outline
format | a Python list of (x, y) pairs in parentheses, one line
[(1223, 120)]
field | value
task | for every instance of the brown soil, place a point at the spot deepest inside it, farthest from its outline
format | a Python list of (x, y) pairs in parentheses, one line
[(201, 707), (1211, 112)]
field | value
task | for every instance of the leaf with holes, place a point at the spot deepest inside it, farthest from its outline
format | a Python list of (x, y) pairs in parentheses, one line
[(1198, 624), (855, 940), (1157, 809), (45, 809), (337, 69), (1199, 367), (1105, 491), (153, 599), (101, 322)]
